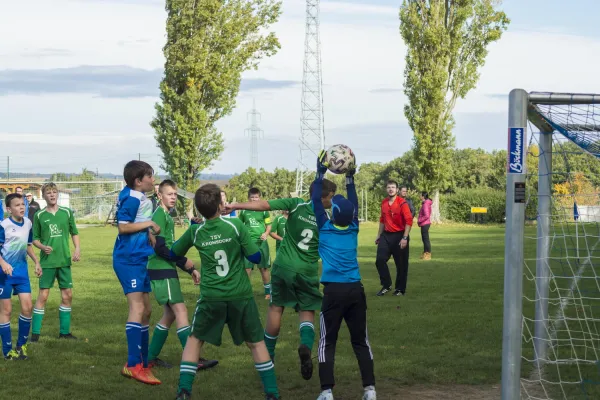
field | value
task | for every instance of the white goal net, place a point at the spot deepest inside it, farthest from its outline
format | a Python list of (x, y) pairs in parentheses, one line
[(560, 273)]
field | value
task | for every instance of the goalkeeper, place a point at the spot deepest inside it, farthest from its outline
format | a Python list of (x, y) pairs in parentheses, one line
[(343, 293)]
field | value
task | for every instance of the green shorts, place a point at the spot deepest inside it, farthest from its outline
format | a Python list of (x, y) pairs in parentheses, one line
[(265, 257), (241, 316), (62, 275), (292, 289), (167, 291)]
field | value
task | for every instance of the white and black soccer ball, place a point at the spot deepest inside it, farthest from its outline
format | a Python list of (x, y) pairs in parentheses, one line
[(340, 158)]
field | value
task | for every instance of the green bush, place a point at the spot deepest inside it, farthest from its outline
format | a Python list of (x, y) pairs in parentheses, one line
[(457, 206)]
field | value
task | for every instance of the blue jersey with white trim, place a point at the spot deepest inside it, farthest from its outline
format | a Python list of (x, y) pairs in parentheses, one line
[(14, 239), (134, 248)]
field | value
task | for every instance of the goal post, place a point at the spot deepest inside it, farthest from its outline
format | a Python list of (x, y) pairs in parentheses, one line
[(551, 320)]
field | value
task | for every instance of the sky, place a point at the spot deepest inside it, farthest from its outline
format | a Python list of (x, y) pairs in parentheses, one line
[(79, 81)]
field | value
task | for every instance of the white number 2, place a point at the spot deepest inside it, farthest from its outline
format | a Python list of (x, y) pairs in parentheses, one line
[(223, 267), (133, 283), (307, 234), (1, 290)]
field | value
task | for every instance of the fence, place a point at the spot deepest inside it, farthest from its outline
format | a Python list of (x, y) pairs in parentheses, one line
[(91, 201)]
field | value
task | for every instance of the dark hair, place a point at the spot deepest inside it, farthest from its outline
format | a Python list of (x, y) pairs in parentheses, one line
[(208, 199), (403, 187), (392, 182), (328, 187), (167, 182), (425, 194), (19, 187), (254, 190), (11, 197), (136, 170)]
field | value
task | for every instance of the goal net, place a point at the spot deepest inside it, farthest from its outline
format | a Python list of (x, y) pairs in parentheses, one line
[(553, 211)]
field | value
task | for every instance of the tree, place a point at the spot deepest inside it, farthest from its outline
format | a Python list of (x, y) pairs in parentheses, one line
[(403, 170), (446, 43), (210, 43), (471, 168), (579, 189)]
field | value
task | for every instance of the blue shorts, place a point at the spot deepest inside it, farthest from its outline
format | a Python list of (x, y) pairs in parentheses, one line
[(133, 278), (9, 286)]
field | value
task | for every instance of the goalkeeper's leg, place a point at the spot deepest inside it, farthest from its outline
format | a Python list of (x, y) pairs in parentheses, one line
[(356, 320)]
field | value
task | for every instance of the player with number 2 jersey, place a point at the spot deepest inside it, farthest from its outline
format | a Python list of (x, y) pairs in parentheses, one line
[(295, 272)]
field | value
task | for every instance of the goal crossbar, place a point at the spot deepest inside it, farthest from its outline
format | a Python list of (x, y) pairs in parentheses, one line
[(563, 98)]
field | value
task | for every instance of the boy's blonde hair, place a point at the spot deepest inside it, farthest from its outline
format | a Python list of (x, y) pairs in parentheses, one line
[(49, 186)]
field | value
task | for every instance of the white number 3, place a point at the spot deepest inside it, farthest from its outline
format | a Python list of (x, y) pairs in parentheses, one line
[(307, 234), (223, 267)]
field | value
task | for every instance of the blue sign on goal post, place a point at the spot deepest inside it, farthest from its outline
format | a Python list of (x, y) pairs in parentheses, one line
[(517, 140)]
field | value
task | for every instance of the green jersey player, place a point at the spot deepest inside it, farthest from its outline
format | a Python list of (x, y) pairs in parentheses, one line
[(52, 228), (278, 228), (225, 290), (295, 276), (165, 281), (259, 226)]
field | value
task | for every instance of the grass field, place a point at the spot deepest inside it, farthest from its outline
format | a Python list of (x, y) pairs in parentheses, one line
[(442, 340)]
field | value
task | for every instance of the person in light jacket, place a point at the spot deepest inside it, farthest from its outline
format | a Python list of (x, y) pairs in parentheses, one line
[(424, 222)]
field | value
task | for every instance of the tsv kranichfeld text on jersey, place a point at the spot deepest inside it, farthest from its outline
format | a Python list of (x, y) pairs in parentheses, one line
[(134, 248), (299, 250), (14, 238), (222, 244)]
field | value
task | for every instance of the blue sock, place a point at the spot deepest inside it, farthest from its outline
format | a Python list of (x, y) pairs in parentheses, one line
[(6, 338), (134, 343), (145, 341), (24, 325)]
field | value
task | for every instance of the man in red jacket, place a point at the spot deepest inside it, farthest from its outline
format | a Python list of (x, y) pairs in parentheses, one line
[(392, 240)]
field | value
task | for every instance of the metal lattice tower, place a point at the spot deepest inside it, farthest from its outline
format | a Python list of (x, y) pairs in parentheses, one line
[(312, 135), (254, 132)]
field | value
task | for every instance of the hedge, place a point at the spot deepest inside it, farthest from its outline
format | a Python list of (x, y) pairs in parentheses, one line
[(457, 206)]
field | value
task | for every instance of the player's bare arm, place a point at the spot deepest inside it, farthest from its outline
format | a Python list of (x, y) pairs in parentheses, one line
[(380, 232), (265, 235), (128, 229), (42, 247), (6, 267), (38, 267), (275, 236), (77, 253), (259, 205)]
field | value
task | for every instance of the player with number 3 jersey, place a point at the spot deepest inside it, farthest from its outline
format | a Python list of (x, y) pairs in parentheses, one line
[(225, 291), (295, 272)]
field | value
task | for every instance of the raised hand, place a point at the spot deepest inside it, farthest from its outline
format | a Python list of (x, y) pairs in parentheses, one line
[(322, 165)]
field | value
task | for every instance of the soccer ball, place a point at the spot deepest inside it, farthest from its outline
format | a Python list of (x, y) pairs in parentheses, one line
[(340, 158)]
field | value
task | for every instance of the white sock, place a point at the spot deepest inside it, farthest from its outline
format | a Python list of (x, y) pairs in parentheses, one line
[(369, 388)]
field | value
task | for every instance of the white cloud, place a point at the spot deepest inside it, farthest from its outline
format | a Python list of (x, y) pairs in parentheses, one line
[(363, 62)]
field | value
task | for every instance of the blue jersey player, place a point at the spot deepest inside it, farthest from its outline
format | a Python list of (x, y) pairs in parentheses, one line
[(15, 245), (130, 260), (343, 293)]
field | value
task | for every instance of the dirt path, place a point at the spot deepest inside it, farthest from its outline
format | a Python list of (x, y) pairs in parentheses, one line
[(440, 392)]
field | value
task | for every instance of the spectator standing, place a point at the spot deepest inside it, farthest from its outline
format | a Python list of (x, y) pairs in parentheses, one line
[(424, 222), (19, 190), (33, 206), (393, 240), (404, 194), (154, 198)]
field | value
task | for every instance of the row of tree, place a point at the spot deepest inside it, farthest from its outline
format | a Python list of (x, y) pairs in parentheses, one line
[(211, 43)]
